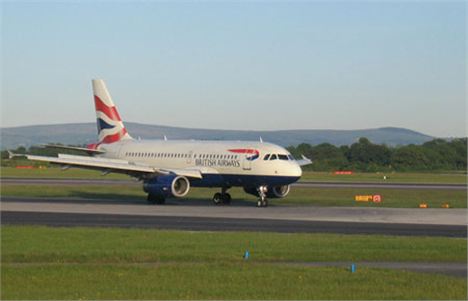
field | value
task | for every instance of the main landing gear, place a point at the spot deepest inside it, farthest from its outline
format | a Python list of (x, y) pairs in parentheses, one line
[(156, 199), (222, 197), (262, 200)]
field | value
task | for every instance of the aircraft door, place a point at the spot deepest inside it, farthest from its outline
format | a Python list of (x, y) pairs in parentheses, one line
[(190, 157), (246, 163)]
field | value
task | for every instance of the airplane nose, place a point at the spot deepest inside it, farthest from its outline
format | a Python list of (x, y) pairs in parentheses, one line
[(297, 170)]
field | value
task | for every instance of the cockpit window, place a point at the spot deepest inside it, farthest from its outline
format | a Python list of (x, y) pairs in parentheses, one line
[(291, 157), (266, 157), (283, 157), (273, 157)]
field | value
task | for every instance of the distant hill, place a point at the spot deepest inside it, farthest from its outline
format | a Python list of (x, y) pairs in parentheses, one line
[(83, 133)]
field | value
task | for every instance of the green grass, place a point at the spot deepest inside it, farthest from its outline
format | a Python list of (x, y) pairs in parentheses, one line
[(398, 198), (391, 177), (98, 263), (104, 245), (241, 281), (395, 177)]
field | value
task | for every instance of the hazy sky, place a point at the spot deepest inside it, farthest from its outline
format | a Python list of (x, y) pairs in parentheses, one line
[(239, 65)]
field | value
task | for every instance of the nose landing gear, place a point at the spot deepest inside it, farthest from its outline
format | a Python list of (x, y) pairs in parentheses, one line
[(262, 200)]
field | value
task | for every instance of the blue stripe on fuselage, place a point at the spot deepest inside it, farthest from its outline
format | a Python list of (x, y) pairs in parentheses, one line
[(222, 180)]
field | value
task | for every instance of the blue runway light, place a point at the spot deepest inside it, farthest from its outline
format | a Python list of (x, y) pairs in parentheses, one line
[(246, 255), (353, 268)]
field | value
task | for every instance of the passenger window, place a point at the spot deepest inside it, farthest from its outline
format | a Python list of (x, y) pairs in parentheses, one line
[(283, 157), (267, 156), (273, 157)]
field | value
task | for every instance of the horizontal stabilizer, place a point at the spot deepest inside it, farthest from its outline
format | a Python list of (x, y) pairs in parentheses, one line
[(82, 149)]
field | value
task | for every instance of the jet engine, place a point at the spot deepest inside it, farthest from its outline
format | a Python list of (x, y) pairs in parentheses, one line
[(167, 186), (277, 192)]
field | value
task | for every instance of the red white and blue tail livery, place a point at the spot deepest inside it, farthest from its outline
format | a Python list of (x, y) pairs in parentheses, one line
[(168, 168), (110, 126)]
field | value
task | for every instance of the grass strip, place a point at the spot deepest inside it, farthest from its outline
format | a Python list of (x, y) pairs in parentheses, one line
[(397, 198), (117, 245), (241, 281)]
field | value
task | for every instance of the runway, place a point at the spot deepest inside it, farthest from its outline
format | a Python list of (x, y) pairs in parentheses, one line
[(305, 184), (346, 220)]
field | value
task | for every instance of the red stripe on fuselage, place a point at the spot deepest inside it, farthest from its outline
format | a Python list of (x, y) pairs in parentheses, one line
[(110, 112), (244, 151)]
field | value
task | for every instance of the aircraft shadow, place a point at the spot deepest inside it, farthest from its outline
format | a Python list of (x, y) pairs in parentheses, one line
[(118, 198)]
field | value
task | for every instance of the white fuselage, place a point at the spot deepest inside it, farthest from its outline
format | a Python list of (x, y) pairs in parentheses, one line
[(240, 163)]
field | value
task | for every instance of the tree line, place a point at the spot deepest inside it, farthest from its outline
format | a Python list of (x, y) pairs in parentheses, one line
[(435, 155)]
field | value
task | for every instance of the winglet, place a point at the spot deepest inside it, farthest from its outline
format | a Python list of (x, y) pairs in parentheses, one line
[(11, 155), (304, 161)]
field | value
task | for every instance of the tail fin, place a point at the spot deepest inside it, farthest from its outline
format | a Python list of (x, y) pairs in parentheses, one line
[(110, 126)]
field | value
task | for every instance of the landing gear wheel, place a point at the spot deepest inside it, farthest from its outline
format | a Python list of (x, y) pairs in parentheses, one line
[(160, 200), (151, 199), (222, 197), (226, 198), (217, 198), (262, 203), (155, 199)]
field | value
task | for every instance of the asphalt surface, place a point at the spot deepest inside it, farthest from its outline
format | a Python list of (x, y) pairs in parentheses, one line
[(223, 224), (306, 184), (238, 210), (346, 220)]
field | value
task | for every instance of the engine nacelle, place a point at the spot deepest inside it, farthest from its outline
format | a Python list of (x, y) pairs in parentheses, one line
[(168, 186), (277, 192), (273, 192)]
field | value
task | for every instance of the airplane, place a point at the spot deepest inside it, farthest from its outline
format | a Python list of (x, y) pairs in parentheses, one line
[(168, 168)]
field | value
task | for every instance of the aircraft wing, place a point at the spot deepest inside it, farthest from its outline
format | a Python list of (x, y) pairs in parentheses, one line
[(304, 161), (114, 165)]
